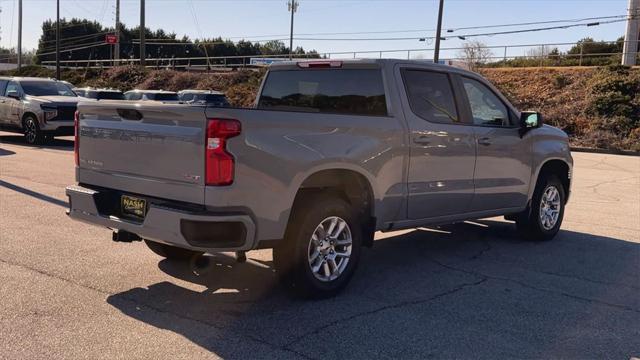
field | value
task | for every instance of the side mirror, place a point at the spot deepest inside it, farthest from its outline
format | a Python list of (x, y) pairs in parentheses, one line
[(13, 94), (530, 119)]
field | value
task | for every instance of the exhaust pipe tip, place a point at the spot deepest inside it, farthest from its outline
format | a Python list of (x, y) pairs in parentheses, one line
[(125, 236)]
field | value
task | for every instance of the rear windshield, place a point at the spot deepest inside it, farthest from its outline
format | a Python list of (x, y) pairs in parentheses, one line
[(107, 95), (46, 88), (164, 97), (336, 91)]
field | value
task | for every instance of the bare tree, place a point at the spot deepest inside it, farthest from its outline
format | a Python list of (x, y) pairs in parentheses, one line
[(541, 51), (475, 53)]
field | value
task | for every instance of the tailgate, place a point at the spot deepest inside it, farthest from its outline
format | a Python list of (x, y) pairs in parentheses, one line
[(150, 149)]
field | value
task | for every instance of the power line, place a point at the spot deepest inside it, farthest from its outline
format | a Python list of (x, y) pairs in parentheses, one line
[(466, 35)]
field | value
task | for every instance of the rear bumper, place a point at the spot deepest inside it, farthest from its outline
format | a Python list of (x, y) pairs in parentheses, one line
[(196, 230)]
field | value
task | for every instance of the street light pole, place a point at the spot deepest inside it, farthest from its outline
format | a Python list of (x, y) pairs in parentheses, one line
[(630, 47), (19, 34), (142, 34), (436, 53), (293, 7), (116, 54), (58, 39)]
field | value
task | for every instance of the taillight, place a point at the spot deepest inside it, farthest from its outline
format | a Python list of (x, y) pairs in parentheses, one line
[(320, 64), (76, 137), (219, 163)]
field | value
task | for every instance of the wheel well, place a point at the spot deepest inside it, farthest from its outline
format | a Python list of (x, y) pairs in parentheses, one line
[(351, 185), (560, 169)]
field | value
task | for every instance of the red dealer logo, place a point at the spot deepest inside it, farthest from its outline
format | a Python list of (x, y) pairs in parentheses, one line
[(111, 39)]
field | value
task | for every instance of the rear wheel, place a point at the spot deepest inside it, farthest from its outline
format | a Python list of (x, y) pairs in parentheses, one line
[(171, 252), (32, 133), (321, 248), (543, 220)]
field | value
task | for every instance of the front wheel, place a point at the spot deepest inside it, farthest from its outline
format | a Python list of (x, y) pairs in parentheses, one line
[(542, 221), (32, 133), (171, 252), (321, 248)]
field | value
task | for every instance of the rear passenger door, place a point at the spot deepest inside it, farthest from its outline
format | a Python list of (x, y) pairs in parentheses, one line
[(503, 164), (442, 148)]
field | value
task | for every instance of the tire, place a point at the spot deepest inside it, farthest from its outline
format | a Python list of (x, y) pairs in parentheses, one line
[(171, 252), (538, 224), (31, 129), (319, 269)]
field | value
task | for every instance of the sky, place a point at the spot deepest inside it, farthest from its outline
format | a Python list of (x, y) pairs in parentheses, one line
[(269, 19)]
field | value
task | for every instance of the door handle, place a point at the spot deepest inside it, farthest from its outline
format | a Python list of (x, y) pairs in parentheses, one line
[(422, 140), (484, 141)]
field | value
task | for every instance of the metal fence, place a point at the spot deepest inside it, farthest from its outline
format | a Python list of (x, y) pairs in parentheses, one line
[(546, 54)]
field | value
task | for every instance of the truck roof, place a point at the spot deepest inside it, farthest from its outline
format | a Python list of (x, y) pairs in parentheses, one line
[(29, 78), (152, 91), (195, 91), (355, 63)]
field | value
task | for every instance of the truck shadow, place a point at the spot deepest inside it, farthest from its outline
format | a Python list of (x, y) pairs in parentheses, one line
[(447, 278)]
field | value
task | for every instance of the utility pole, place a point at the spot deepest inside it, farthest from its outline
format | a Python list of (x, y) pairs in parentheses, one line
[(19, 34), (436, 53), (142, 34), (58, 39), (293, 7), (630, 48), (117, 44)]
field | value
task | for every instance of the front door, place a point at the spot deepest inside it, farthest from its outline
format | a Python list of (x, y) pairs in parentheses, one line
[(503, 163), (442, 149)]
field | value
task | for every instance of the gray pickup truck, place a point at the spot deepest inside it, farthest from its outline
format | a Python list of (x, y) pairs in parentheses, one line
[(332, 152)]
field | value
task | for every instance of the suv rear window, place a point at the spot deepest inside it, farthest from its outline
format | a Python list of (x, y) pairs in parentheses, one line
[(336, 91), (164, 97)]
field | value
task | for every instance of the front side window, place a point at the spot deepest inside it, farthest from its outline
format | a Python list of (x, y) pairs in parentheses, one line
[(333, 91), (12, 86), (430, 96), (486, 107), (47, 88), (186, 97)]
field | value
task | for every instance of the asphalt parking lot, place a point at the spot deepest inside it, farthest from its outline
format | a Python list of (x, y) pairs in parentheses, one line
[(471, 290)]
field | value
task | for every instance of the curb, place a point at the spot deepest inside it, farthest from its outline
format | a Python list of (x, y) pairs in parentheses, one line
[(606, 151)]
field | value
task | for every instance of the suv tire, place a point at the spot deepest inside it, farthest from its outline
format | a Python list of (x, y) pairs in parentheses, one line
[(171, 252), (321, 248), (31, 128), (542, 220)]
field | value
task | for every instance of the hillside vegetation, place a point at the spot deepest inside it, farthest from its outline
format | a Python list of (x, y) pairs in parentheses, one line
[(597, 107)]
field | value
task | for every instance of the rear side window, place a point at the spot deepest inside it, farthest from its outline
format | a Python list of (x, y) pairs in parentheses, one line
[(335, 91), (431, 96), (133, 96)]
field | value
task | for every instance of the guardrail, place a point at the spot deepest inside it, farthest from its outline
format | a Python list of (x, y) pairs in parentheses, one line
[(491, 56)]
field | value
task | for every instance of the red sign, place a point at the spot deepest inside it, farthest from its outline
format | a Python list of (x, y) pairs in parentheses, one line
[(111, 39)]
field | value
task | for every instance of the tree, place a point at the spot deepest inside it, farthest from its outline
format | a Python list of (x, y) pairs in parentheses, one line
[(82, 39), (475, 53)]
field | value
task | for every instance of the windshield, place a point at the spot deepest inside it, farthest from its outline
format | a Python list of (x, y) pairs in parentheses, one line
[(46, 88)]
